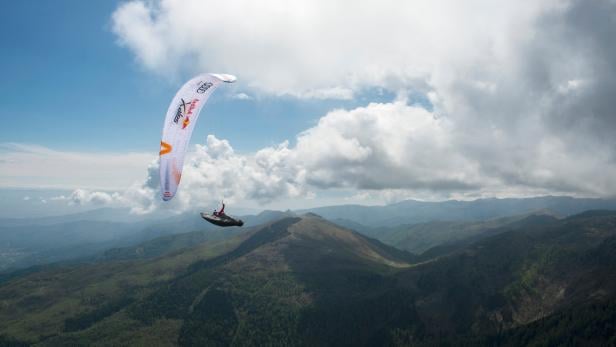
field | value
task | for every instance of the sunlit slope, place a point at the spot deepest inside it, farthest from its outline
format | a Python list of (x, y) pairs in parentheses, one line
[(262, 291), (250, 287)]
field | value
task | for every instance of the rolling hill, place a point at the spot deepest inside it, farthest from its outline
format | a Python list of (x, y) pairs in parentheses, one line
[(259, 275), (85, 235), (411, 225), (306, 281)]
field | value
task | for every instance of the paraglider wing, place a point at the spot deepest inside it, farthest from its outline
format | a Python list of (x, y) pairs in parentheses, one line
[(179, 124)]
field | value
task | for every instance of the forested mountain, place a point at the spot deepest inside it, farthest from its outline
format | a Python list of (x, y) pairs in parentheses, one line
[(306, 281), (411, 225)]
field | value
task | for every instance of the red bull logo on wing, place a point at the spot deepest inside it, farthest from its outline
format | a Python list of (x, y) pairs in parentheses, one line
[(193, 105)]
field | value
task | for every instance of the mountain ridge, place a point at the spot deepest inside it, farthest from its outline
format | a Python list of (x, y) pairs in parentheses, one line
[(414, 211), (305, 279)]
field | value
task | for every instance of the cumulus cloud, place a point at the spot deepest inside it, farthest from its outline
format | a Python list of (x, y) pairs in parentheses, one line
[(242, 96), (82, 197), (380, 146), (511, 66), (211, 172), (521, 95), (319, 48), (214, 171), (401, 149), (384, 146), (384, 152)]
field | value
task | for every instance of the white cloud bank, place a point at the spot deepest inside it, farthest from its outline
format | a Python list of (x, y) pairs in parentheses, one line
[(324, 49), (504, 64), (384, 152), (521, 93)]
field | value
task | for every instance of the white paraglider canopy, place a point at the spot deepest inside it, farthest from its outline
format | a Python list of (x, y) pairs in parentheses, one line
[(179, 124)]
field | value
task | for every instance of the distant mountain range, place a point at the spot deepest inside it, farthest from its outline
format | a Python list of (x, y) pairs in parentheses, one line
[(410, 225), (413, 212), (306, 281), (82, 236)]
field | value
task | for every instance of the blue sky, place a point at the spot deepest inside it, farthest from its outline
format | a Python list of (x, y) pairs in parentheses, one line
[(64, 76), (430, 101), (91, 94)]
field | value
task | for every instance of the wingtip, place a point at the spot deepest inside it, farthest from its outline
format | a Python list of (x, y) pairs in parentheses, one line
[(225, 77)]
